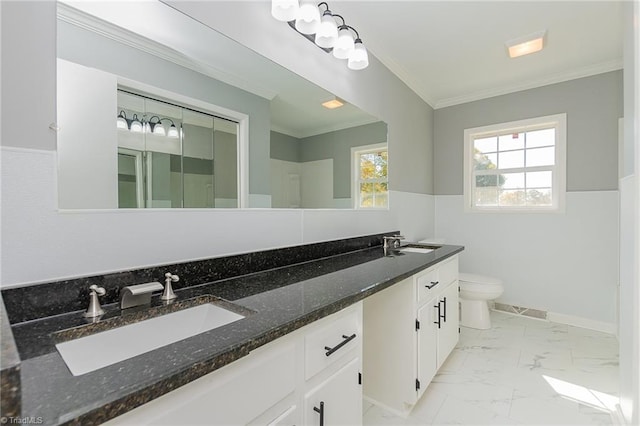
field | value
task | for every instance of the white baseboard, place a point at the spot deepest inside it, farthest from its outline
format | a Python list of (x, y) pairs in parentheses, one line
[(604, 327)]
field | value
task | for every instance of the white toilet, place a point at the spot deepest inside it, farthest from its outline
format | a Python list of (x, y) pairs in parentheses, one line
[(475, 292)]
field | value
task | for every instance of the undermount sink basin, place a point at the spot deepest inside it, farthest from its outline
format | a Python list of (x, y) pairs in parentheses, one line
[(416, 249), (99, 350)]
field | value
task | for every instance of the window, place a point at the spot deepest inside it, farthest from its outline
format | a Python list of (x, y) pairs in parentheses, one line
[(370, 189), (516, 166)]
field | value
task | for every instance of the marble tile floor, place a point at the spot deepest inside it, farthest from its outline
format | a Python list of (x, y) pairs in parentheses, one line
[(523, 371)]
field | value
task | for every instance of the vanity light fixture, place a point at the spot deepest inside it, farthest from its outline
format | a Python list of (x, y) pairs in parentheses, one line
[(308, 17), (284, 10), (525, 45), (324, 30), (327, 33)]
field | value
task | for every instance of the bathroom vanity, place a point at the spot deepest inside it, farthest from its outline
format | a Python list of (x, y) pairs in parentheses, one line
[(298, 352)]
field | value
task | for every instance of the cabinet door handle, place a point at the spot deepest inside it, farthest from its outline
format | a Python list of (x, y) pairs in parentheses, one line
[(438, 316), (321, 412), (346, 340), (444, 311), (433, 284)]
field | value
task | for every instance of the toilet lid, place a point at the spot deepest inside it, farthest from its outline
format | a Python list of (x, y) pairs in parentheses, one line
[(479, 279)]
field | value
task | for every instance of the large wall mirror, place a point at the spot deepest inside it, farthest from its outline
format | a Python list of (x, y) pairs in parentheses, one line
[(180, 116)]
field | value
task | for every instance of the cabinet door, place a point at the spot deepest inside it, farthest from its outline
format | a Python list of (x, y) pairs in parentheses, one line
[(448, 333), (427, 343), (337, 400)]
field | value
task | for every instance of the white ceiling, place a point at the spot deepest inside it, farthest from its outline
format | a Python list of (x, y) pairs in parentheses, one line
[(448, 52), (451, 52)]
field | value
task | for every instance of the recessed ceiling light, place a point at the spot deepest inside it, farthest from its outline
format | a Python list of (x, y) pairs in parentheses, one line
[(333, 103), (524, 45)]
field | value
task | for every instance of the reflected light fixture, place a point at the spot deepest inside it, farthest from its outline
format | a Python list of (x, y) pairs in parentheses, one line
[(333, 103), (525, 45), (304, 16), (156, 127), (121, 121), (136, 125)]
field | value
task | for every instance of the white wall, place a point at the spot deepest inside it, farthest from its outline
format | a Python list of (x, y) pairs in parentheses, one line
[(40, 243), (562, 263), (629, 333)]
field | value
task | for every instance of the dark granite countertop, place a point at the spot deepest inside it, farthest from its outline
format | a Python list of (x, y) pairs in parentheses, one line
[(277, 301)]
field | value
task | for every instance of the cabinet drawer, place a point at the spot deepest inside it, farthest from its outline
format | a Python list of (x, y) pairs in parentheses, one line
[(433, 281), (448, 271), (428, 284), (331, 342)]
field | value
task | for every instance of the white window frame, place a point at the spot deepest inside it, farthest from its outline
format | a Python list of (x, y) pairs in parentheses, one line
[(356, 151), (557, 121)]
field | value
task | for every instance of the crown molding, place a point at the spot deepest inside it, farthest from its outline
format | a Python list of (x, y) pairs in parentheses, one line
[(412, 83), (91, 23), (417, 87), (322, 130), (557, 78)]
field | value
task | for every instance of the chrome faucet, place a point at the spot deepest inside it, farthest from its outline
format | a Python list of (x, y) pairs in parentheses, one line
[(136, 295), (168, 290), (392, 241), (94, 310)]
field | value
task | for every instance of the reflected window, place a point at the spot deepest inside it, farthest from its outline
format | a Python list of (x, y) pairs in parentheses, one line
[(371, 179), (171, 155)]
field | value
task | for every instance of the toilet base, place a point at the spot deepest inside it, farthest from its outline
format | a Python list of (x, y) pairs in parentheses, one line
[(475, 314)]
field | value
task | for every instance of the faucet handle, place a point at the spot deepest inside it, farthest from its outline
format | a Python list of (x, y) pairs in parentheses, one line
[(94, 309), (168, 290), (100, 291), (171, 277)]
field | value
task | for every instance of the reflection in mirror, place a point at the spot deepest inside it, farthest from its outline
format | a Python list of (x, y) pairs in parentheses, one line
[(324, 170), (188, 162), (284, 151)]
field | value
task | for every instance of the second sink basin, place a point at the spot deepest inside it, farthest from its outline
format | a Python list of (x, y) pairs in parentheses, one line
[(416, 249), (99, 350)]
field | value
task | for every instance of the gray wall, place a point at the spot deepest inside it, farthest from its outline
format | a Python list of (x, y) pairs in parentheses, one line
[(28, 99), (334, 145), (285, 147), (593, 106), (337, 146), (89, 49)]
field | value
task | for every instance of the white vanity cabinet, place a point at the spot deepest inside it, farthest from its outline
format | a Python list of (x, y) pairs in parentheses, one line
[(409, 330), (337, 400), (280, 383)]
